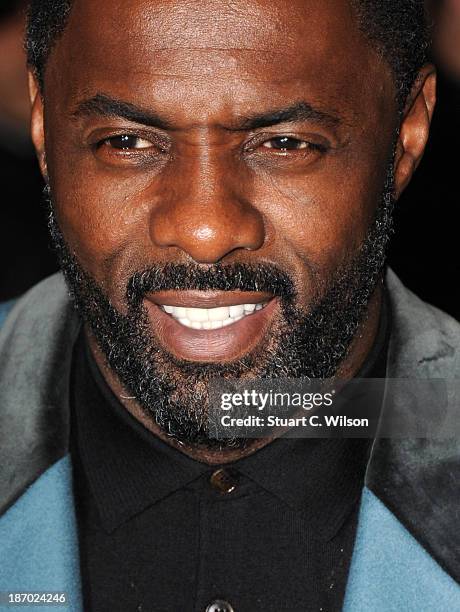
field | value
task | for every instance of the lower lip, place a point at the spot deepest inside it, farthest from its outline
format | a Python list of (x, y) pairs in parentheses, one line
[(207, 346)]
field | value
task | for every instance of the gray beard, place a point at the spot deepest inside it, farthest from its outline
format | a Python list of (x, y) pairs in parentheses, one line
[(173, 394)]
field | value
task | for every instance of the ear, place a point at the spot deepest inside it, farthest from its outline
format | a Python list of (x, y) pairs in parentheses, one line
[(415, 127), (37, 125)]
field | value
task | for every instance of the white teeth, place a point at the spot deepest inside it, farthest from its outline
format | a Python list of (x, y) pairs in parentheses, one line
[(236, 311), (179, 313), (197, 314), (218, 314), (211, 318)]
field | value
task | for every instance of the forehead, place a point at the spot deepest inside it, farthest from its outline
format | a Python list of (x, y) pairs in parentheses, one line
[(209, 54)]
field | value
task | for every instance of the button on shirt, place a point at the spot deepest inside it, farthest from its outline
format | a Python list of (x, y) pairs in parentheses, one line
[(160, 532)]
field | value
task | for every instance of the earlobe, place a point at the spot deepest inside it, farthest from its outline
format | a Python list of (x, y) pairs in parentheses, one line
[(415, 127), (37, 128)]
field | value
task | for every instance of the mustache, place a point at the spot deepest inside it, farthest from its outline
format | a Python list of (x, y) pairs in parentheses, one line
[(221, 277)]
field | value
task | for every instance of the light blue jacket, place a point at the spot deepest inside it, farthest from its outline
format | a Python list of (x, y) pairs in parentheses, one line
[(407, 551)]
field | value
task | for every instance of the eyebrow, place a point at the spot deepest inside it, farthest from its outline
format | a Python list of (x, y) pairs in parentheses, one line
[(301, 111), (106, 106)]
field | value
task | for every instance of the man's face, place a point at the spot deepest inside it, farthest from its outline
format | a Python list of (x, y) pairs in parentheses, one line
[(238, 154)]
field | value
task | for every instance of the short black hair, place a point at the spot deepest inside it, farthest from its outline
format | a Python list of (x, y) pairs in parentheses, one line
[(397, 28)]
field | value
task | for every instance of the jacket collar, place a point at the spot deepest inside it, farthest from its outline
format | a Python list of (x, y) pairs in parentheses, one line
[(418, 479), (35, 352)]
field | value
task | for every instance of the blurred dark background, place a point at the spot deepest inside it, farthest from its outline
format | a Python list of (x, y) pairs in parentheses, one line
[(24, 250), (426, 246), (425, 249)]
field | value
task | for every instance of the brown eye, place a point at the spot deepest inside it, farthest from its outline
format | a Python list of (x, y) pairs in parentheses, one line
[(128, 142), (285, 143)]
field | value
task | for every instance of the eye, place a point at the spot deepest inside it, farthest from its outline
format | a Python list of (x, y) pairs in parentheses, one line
[(285, 143), (127, 142)]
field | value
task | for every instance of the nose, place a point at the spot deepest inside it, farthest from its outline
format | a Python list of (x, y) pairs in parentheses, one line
[(202, 211)]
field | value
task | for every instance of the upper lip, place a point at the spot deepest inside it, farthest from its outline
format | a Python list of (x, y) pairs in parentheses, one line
[(208, 299)]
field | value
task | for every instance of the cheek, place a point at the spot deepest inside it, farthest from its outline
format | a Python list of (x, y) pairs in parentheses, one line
[(104, 219), (322, 218)]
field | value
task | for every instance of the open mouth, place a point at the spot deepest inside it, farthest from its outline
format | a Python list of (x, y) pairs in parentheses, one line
[(212, 318), (214, 326)]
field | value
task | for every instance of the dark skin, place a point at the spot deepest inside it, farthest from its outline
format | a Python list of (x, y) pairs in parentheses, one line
[(206, 92)]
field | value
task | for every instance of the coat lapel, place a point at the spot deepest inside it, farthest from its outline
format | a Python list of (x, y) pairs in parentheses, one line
[(418, 479), (406, 553), (390, 571), (39, 544)]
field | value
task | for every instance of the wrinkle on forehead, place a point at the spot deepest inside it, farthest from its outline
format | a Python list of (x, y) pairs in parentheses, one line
[(276, 39), (214, 24), (191, 24)]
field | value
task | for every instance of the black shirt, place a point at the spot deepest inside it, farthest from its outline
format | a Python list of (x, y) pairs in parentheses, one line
[(160, 532)]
